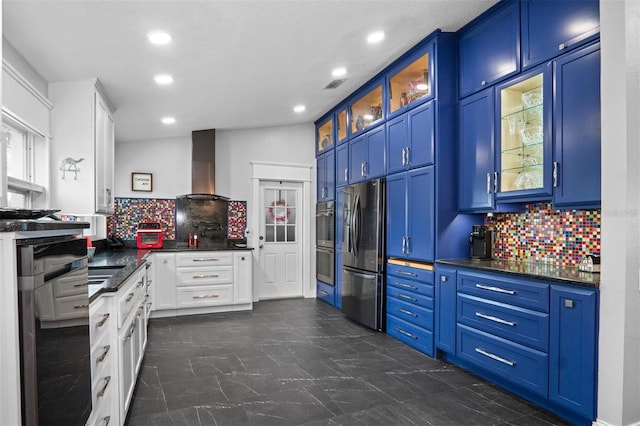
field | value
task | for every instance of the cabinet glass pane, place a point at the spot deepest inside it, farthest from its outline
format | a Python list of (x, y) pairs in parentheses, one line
[(341, 124), (522, 130), (366, 110), (410, 84), (325, 136)]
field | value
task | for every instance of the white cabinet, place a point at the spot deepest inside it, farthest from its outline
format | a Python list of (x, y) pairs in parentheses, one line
[(198, 282), (82, 152)]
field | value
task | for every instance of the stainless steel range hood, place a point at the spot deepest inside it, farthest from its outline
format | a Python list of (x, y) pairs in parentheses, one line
[(203, 164)]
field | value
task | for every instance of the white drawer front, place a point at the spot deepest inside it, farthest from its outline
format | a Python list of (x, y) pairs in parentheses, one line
[(100, 318), (204, 258), (129, 299), (71, 284), (103, 354), (189, 297), (72, 307), (104, 395), (205, 276)]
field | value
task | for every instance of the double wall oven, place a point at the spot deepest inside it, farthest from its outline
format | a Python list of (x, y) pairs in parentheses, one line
[(325, 240)]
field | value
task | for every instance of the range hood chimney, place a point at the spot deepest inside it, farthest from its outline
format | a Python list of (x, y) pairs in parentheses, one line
[(203, 162)]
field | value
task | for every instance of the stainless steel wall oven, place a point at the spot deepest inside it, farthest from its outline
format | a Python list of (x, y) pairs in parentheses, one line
[(325, 265), (53, 302), (325, 242)]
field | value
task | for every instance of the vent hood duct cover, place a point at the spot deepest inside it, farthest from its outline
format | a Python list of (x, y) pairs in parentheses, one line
[(203, 164)]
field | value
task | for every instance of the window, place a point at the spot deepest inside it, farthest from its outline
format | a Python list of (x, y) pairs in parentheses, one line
[(26, 169), (280, 215)]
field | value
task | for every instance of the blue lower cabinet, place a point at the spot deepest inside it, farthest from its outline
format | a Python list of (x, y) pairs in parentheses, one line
[(445, 330), (326, 292), (410, 303)]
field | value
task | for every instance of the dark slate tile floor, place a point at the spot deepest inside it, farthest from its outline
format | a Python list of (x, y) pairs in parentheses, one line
[(294, 362)]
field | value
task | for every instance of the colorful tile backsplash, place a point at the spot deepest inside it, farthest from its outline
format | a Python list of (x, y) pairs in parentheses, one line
[(128, 212), (542, 234)]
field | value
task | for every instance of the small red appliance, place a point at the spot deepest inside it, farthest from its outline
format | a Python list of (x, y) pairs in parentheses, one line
[(149, 235)]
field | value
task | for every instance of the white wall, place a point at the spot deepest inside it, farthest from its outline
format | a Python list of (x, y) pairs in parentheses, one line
[(168, 160), (619, 342)]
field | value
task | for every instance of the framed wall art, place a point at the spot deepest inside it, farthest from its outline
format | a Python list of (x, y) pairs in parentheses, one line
[(141, 182)]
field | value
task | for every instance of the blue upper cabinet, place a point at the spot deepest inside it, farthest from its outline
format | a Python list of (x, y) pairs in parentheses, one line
[(490, 48), (524, 136), (367, 155), (366, 108), (326, 176), (342, 165), (550, 28), (576, 109), (325, 134), (476, 152), (411, 139), (411, 82)]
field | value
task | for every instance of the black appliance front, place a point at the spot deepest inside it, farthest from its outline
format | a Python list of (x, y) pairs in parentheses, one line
[(325, 265), (363, 297), (55, 365), (325, 224)]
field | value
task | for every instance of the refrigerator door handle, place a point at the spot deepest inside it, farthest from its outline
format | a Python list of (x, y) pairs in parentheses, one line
[(357, 219)]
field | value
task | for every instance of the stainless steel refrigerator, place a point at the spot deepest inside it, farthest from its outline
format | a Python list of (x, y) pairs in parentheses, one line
[(363, 255)]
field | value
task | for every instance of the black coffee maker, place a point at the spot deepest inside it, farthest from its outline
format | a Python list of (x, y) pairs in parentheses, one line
[(481, 243)]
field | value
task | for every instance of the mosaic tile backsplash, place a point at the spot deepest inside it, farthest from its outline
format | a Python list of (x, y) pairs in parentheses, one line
[(128, 212), (542, 234)]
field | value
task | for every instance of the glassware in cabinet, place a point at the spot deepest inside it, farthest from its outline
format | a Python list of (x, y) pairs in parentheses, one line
[(366, 110), (409, 84), (341, 126), (324, 136), (522, 135)]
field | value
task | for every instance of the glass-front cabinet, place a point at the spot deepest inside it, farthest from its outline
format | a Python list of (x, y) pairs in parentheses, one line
[(366, 110), (341, 125), (524, 136), (410, 83), (324, 135)]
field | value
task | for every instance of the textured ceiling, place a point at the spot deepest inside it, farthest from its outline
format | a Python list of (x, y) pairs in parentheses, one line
[(236, 64)]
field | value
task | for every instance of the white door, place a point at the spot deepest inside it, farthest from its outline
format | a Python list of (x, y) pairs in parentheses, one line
[(280, 240)]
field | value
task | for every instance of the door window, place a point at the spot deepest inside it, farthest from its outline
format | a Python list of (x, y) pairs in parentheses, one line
[(280, 215)]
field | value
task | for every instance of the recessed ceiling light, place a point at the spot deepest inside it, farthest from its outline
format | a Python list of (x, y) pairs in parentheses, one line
[(159, 37), (163, 79), (375, 37), (299, 108), (168, 120), (339, 72)]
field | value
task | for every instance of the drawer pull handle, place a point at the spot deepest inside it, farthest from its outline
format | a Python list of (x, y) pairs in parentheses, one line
[(324, 293), (206, 259), (496, 289), (81, 284), (408, 274), (104, 388), (131, 330), (404, 285), (104, 354), (404, 311), (106, 420), (401, 331), (206, 296), (495, 357), (130, 296), (139, 284), (206, 276), (495, 319), (80, 306), (404, 296), (104, 319)]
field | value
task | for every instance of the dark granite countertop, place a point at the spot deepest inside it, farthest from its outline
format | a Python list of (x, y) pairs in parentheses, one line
[(29, 225), (561, 274), (127, 261)]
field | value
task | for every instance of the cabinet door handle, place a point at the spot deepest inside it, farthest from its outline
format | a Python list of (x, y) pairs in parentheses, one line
[(404, 296), (206, 259), (561, 46), (411, 287), (206, 276), (130, 296), (496, 289), (488, 183), (131, 330), (101, 392), (104, 354), (104, 319), (443, 278), (81, 284), (408, 245), (362, 169), (346, 174), (408, 155), (483, 83), (495, 319), (404, 245), (496, 357), (404, 311), (555, 174), (83, 306), (408, 274), (404, 156), (206, 296), (107, 420), (401, 331), (495, 182)]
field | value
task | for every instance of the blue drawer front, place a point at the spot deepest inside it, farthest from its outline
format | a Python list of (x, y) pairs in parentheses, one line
[(519, 364), (416, 287), (411, 313), (530, 328), (325, 292), (410, 297), (414, 336), (409, 273), (521, 292)]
